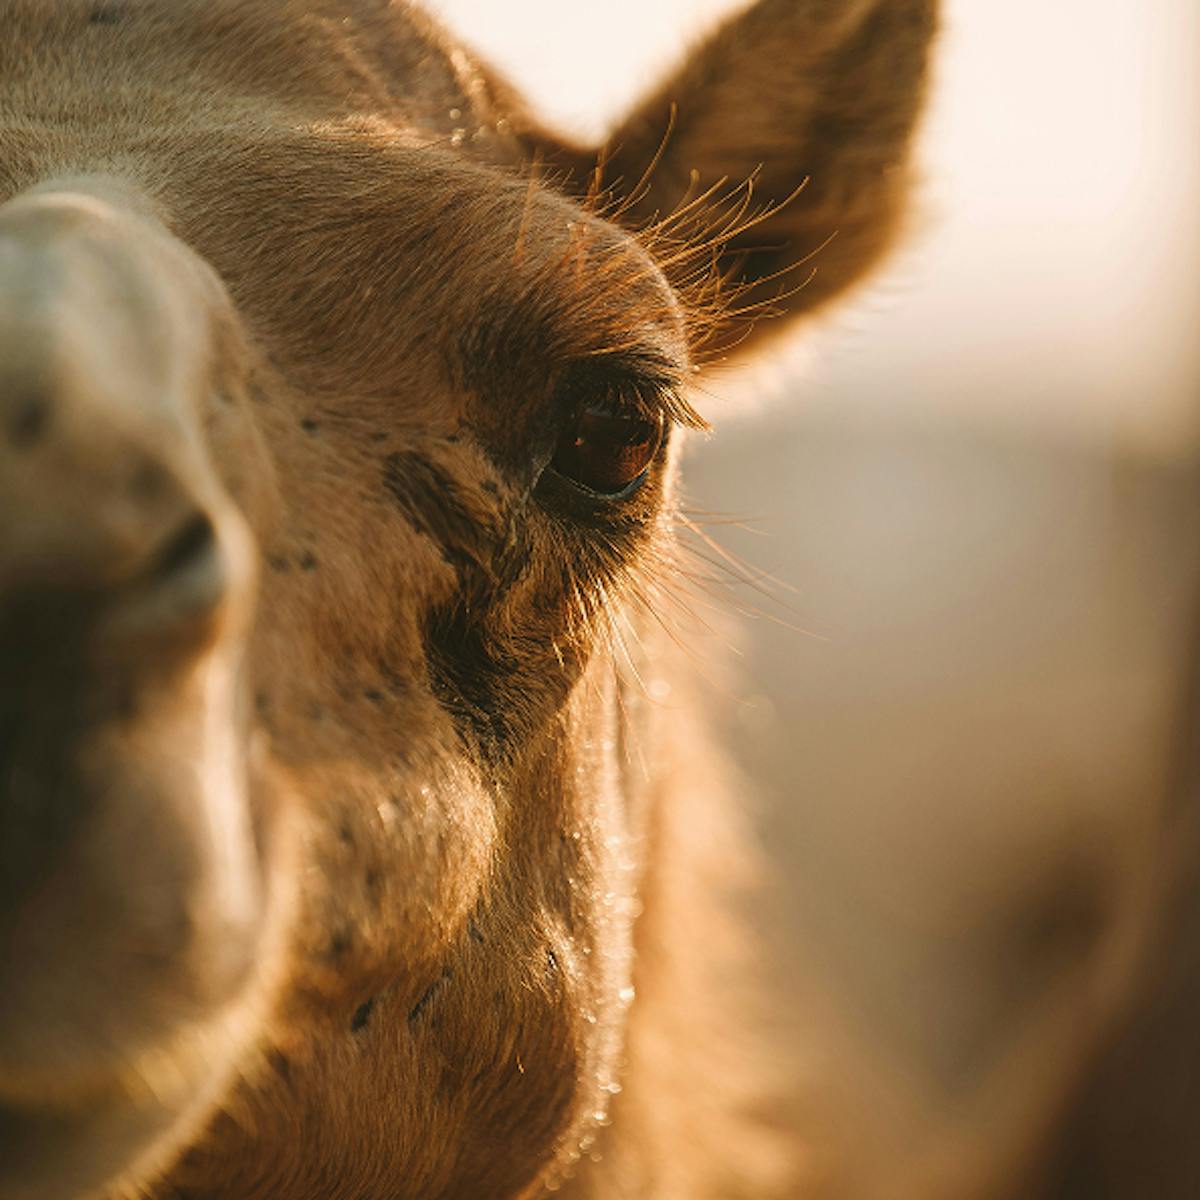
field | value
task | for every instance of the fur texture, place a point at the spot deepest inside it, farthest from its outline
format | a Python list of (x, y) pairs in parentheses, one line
[(485, 945)]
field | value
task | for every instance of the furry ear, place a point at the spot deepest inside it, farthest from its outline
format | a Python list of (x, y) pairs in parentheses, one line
[(788, 134)]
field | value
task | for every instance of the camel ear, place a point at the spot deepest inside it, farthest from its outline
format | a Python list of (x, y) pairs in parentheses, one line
[(809, 106)]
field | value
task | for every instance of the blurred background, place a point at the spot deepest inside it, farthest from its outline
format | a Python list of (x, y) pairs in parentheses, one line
[(962, 696)]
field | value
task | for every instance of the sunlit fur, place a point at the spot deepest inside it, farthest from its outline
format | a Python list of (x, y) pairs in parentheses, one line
[(496, 952)]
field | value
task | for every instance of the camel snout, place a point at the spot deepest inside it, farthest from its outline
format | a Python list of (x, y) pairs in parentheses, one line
[(133, 864)]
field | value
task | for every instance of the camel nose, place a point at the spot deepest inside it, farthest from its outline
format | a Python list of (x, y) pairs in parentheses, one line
[(104, 498), (131, 858), (100, 520)]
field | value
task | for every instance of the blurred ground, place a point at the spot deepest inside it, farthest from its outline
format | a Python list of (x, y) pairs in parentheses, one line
[(978, 490)]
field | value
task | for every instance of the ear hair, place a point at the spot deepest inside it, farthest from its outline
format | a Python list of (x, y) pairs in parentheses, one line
[(778, 157)]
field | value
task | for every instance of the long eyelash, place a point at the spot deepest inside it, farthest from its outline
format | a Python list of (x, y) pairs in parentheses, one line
[(671, 403), (650, 386), (658, 393)]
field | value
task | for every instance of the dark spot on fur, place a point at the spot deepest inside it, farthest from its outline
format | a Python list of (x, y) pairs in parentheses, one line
[(345, 834), (491, 487), (280, 1064), (28, 423), (374, 695), (477, 679), (427, 995), (277, 562), (149, 482), (339, 945), (468, 674), (197, 1156), (309, 425), (495, 688), (106, 14), (362, 1014), (396, 682), (551, 962), (373, 879), (419, 1007), (434, 504), (380, 435), (476, 936), (308, 561)]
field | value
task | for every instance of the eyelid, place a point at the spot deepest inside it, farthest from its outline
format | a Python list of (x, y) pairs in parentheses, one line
[(640, 379), (656, 399)]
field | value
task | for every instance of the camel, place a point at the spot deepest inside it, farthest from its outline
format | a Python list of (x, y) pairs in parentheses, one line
[(361, 831)]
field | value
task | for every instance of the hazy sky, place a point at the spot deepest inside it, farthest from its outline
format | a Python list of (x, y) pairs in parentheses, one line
[(1056, 281)]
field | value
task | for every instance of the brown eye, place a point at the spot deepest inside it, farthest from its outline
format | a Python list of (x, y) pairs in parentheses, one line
[(608, 449)]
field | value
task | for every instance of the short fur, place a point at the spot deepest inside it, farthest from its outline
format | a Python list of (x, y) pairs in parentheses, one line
[(311, 271)]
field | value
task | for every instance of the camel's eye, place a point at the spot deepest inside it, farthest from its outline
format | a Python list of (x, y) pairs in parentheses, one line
[(607, 448)]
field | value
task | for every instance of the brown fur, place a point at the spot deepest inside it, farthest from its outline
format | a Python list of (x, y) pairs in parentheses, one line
[(467, 933)]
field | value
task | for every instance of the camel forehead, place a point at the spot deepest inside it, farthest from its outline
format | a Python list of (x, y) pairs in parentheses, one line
[(373, 269), (303, 151), (343, 55), (370, 244)]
